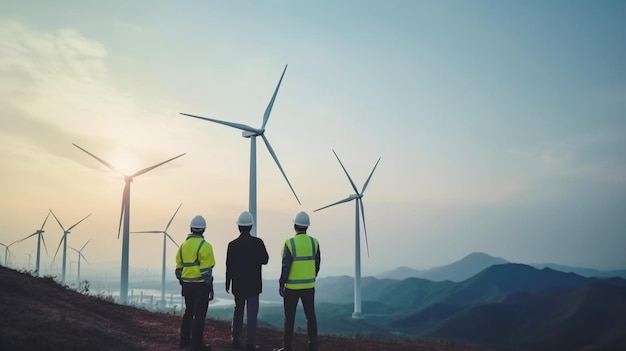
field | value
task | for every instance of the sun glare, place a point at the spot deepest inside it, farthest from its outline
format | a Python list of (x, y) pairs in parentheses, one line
[(125, 163)]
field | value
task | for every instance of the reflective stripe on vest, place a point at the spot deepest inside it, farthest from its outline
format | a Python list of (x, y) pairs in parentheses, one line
[(302, 272), (194, 263)]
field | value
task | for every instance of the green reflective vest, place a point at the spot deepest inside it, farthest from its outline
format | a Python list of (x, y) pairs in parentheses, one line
[(195, 260), (303, 249)]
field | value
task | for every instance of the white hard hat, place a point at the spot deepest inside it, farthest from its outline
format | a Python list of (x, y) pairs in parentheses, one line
[(302, 219), (198, 222), (245, 219)]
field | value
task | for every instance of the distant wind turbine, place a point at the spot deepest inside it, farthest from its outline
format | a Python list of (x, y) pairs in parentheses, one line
[(64, 242), (165, 237), (30, 258), (125, 213), (357, 236), (80, 255), (40, 239), (7, 252), (252, 133)]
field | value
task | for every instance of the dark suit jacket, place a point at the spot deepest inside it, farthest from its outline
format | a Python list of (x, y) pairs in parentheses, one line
[(244, 259)]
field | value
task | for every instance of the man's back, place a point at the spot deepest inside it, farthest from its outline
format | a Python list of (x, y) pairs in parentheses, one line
[(244, 259)]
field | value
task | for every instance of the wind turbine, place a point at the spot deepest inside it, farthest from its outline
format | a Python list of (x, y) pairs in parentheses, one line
[(165, 237), (125, 213), (64, 242), (40, 239), (80, 255), (7, 252), (252, 133), (357, 237)]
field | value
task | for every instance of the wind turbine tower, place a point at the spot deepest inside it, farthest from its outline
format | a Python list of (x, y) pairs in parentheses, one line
[(252, 133), (125, 213), (64, 242), (40, 239), (80, 255), (358, 196), (165, 237)]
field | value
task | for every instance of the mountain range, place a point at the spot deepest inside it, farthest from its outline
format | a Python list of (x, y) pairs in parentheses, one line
[(477, 261)]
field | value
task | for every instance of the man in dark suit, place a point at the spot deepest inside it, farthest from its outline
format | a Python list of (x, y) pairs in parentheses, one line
[(244, 259)]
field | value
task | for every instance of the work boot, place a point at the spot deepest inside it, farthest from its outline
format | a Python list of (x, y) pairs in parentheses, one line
[(252, 347)]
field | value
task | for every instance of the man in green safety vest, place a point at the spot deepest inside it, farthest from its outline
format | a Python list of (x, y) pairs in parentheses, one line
[(300, 265), (194, 271)]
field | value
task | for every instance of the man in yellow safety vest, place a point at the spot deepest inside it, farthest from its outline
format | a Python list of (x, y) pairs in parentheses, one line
[(300, 265), (194, 271)]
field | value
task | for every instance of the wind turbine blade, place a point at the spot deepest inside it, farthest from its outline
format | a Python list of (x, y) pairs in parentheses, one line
[(43, 240), (33, 234), (110, 166), (77, 223), (58, 247), (348, 199), (172, 239), (155, 166), (268, 110), (230, 124), (360, 200), (170, 222), (15, 242), (44, 221), (370, 177), (55, 217), (269, 147), (81, 249), (346, 172), (83, 256), (119, 228), (149, 231)]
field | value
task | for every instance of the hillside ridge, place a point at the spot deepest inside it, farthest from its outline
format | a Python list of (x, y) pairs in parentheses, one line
[(40, 314)]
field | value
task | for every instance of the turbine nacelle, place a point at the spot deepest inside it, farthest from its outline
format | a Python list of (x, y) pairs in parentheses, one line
[(248, 134)]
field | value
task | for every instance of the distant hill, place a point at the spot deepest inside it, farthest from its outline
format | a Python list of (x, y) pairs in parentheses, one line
[(475, 262), (590, 317), (456, 271), (585, 272), (401, 272), (505, 305)]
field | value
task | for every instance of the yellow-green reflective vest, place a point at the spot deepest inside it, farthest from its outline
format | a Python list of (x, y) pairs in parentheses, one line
[(195, 260), (303, 249)]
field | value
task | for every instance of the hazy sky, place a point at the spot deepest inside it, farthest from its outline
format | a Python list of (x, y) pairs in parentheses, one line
[(501, 126)]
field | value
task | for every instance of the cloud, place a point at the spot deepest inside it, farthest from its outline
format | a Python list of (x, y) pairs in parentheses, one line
[(61, 78), (56, 87)]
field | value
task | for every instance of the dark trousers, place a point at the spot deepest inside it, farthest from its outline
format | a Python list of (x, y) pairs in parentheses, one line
[(252, 309), (196, 306), (290, 303)]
